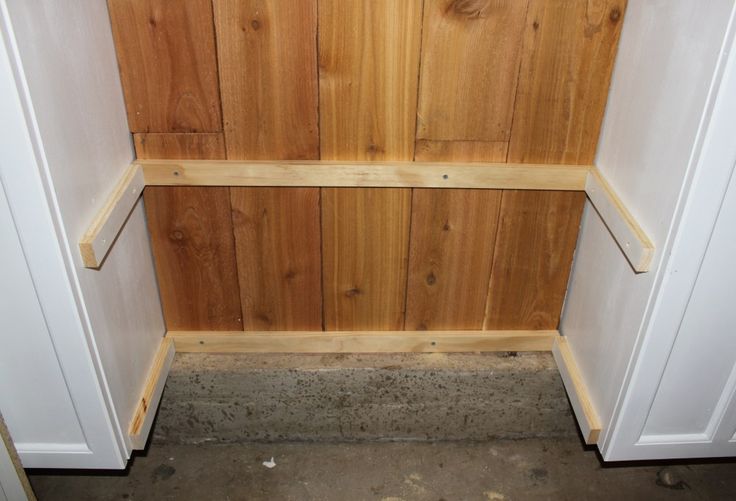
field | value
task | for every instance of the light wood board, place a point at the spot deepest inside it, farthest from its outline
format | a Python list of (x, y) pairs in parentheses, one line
[(362, 342), (399, 174), (102, 232), (587, 417)]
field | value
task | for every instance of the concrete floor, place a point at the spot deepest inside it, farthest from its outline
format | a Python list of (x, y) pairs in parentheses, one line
[(464, 427), (500, 470)]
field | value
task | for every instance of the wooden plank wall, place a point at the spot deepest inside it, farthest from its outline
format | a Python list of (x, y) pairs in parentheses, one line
[(426, 80)]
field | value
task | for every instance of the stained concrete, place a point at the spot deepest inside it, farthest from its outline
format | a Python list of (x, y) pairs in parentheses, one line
[(222, 416), (239, 398), (529, 469)]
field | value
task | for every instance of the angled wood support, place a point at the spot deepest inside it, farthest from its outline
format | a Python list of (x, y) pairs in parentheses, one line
[(362, 342), (590, 424), (146, 410), (99, 237), (627, 232)]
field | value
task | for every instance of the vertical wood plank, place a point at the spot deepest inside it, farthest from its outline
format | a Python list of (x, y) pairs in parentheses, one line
[(168, 68), (180, 146), (460, 151), (365, 245), (536, 240), (277, 236), (452, 241), (192, 241), (368, 70), (470, 64), (569, 51), (267, 50)]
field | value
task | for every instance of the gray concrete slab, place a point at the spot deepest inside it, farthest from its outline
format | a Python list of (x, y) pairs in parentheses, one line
[(533, 469), (265, 397)]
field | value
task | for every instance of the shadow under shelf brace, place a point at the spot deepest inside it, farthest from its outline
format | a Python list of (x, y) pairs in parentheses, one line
[(623, 227)]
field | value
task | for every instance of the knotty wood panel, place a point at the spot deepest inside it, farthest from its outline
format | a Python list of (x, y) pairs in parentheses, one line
[(452, 241), (569, 50), (180, 146), (168, 67), (368, 67), (192, 241), (469, 70), (536, 240), (368, 70), (267, 52), (365, 235), (277, 236)]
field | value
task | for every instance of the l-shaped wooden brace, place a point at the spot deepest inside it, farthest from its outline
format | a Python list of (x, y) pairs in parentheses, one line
[(363, 342), (624, 228)]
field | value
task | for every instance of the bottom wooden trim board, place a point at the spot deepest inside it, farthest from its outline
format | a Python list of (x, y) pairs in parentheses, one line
[(146, 410), (586, 415), (362, 342)]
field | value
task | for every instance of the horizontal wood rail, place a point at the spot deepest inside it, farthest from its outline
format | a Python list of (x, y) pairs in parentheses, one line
[(362, 342), (624, 228), (364, 174)]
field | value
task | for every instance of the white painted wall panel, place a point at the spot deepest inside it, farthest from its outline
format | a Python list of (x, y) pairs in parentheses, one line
[(38, 409), (704, 355), (667, 59), (68, 59)]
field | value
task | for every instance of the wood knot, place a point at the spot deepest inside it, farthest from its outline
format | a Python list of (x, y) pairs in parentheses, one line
[(446, 226), (255, 24), (431, 279), (374, 149), (177, 235), (290, 275), (615, 15), (471, 9), (535, 25), (355, 291)]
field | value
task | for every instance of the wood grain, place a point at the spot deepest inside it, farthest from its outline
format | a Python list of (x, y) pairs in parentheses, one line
[(452, 241), (267, 52), (365, 245), (180, 146), (569, 51), (368, 70), (362, 342), (470, 64), (460, 151), (192, 241), (536, 240), (364, 174), (167, 59), (277, 237)]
